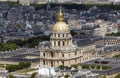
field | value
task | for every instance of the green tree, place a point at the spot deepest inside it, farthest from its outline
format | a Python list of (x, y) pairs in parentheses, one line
[(75, 66), (33, 44), (8, 46), (92, 66), (12, 4), (117, 76), (11, 76), (98, 66), (66, 76), (33, 75), (18, 42), (73, 33), (117, 56), (106, 67), (85, 66), (21, 65), (113, 34)]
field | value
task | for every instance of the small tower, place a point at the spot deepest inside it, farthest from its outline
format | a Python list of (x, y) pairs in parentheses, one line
[(61, 38)]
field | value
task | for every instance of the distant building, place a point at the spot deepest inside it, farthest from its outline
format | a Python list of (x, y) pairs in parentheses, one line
[(4, 74), (42, 1), (26, 2), (86, 74), (114, 1), (46, 72), (13, 0)]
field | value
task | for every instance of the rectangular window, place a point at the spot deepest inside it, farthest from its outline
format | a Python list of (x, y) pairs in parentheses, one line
[(62, 55)]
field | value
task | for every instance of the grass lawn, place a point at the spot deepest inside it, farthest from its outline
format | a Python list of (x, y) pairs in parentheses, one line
[(26, 70)]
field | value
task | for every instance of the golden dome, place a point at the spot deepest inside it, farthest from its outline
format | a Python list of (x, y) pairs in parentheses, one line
[(61, 26)]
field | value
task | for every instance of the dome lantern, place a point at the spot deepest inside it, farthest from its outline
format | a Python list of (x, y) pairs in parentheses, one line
[(61, 26)]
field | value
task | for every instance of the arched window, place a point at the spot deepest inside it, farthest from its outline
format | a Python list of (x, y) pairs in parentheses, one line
[(52, 55), (51, 63), (63, 35), (43, 62), (54, 43), (58, 43), (62, 55), (58, 35), (63, 43), (75, 53), (43, 54)]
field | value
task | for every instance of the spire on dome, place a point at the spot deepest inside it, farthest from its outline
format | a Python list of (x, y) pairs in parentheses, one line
[(60, 15)]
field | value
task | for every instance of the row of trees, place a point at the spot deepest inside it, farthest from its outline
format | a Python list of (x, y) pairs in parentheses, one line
[(11, 3), (117, 76), (117, 56), (21, 65), (87, 66), (31, 43), (113, 34), (68, 5), (8, 46), (77, 6), (74, 66), (39, 6)]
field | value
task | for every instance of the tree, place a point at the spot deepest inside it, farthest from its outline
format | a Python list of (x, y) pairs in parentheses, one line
[(31, 42), (33, 75), (92, 66), (117, 76), (117, 56), (85, 66), (17, 42), (66, 76), (98, 67), (75, 66), (8, 46), (73, 33), (106, 67), (11, 76), (12, 4), (113, 34), (21, 65)]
